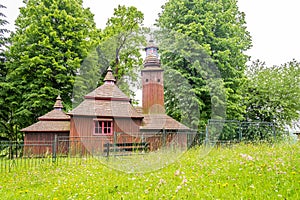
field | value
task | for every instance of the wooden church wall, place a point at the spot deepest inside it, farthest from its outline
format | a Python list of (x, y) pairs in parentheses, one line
[(41, 144), (169, 140), (84, 126), (82, 139), (153, 94), (127, 125), (81, 126)]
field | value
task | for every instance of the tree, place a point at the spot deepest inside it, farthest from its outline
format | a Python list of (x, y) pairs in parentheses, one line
[(121, 42), (90, 75), (3, 22), (194, 90), (220, 29), (51, 40), (5, 114), (3, 43), (119, 48), (272, 93)]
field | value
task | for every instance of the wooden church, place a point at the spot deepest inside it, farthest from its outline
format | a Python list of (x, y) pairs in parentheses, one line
[(107, 118)]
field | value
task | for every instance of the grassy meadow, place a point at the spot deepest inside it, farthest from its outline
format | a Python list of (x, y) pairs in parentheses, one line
[(243, 171)]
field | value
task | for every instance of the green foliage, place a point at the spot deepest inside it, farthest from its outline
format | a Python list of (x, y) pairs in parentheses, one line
[(236, 131), (240, 172), (191, 80), (51, 40), (220, 29), (3, 44), (272, 93), (6, 120), (121, 41), (3, 30), (90, 75)]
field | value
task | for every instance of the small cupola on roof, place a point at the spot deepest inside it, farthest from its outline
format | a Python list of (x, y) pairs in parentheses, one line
[(58, 104), (109, 78), (57, 112), (152, 58), (54, 121)]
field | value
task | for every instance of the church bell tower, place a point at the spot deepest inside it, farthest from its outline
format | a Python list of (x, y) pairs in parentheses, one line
[(152, 80)]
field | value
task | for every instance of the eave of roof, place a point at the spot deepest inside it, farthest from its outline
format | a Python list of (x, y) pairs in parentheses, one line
[(161, 121), (55, 115), (48, 126)]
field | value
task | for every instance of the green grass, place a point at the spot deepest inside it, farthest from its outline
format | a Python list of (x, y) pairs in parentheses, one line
[(239, 172)]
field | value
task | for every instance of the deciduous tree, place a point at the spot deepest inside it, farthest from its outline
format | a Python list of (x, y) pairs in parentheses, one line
[(220, 29), (52, 39), (272, 93), (120, 45), (121, 42)]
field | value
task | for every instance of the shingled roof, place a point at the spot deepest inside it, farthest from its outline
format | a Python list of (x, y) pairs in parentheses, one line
[(107, 92), (48, 126), (161, 121), (105, 108), (57, 115), (54, 121), (106, 101)]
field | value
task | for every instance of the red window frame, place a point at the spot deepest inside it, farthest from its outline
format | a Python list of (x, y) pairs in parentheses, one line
[(103, 127)]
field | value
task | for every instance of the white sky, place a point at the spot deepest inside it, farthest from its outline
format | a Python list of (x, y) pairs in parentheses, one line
[(273, 24)]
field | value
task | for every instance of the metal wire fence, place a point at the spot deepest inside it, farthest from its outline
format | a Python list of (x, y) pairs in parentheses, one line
[(19, 155), (233, 131), (31, 154)]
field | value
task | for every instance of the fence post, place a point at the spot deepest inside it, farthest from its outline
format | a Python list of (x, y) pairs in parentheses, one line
[(240, 131), (206, 135), (115, 137), (274, 132), (54, 146), (10, 150), (164, 137), (187, 133), (107, 148)]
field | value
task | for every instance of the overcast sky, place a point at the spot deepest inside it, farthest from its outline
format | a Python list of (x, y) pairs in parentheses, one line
[(273, 24)]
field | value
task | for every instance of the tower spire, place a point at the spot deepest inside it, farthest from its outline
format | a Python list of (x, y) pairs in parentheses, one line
[(152, 58), (109, 78), (58, 104), (153, 87)]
